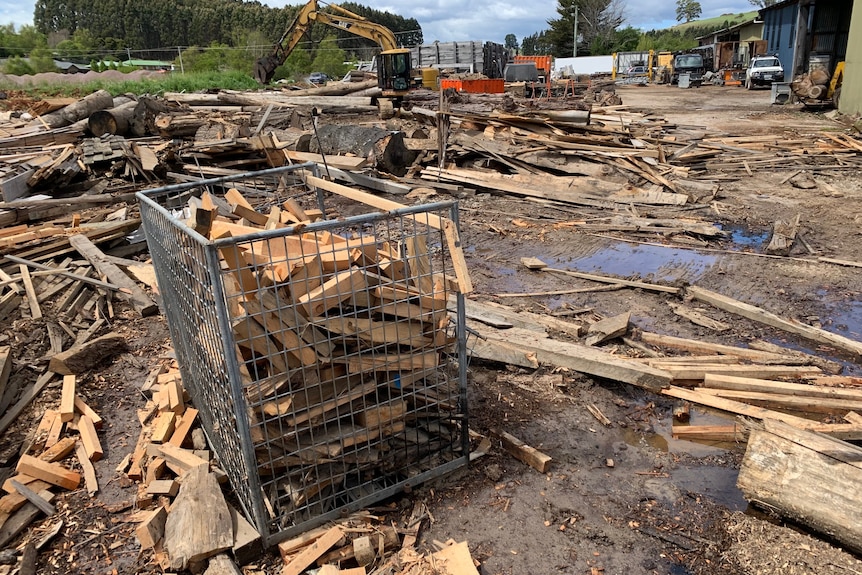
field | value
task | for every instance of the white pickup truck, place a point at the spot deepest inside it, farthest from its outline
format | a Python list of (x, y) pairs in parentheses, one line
[(763, 71)]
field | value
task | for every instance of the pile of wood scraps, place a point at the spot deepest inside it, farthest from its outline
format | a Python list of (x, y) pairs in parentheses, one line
[(43, 466), (343, 341)]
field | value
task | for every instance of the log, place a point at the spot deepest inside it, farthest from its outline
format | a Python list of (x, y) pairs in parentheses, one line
[(178, 125), (81, 358), (131, 290), (114, 121), (222, 565), (807, 477), (80, 110), (385, 149), (199, 524)]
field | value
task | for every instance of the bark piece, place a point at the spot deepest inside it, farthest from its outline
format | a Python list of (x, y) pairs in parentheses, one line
[(81, 358), (199, 524)]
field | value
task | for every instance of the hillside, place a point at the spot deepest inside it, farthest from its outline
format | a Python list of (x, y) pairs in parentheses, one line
[(717, 22)]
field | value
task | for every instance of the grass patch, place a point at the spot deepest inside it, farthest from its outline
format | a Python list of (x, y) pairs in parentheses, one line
[(717, 22), (155, 85)]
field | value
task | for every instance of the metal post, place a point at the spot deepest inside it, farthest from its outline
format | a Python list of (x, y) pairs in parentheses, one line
[(180, 54), (575, 38)]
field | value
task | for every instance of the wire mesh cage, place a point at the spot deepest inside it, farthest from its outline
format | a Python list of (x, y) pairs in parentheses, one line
[(325, 352)]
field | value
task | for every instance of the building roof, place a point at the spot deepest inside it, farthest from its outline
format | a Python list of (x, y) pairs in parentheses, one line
[(734, 27)]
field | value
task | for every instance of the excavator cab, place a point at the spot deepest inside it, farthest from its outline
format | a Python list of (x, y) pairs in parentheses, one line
[(394, 72)]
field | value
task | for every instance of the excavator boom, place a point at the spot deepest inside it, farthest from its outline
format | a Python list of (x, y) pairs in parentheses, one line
[(338, 17)]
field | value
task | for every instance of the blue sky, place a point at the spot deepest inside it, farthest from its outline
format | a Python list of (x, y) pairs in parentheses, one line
[(486, 20)]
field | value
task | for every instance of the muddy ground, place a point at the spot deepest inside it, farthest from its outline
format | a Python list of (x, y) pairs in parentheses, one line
[(664, 506)]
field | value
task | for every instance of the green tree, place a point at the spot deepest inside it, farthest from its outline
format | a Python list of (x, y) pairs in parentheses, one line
[(511, 42), (763, 3), (536, 44), (329, 59), (687, 10), (597, 24), (296, 65), (18, 66)]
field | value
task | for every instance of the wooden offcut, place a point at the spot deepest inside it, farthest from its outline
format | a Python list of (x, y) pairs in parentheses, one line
[(523, 452), (310, 554), (199, 524), (81, 358), (67, 398), (52, 473), (807, 477)]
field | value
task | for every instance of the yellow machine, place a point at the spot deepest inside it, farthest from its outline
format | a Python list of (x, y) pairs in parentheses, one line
[(393, 69), (834, 92)]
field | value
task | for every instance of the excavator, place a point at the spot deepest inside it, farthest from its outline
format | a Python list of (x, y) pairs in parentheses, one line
[(394, 74)]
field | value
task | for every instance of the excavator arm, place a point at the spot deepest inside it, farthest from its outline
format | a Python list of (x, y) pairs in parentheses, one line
[(339, 17)]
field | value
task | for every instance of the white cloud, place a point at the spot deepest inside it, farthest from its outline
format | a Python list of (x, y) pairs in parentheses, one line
[(486, 20)]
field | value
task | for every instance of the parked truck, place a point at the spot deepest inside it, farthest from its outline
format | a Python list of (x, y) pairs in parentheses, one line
[(689, 64)]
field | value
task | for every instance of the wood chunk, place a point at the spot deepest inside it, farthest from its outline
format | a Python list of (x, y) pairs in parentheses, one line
[(59, 450), (363, 550), (82, 357), (169, 487), (152, 529), (58, 426), (608, 328), (222, 565), (289, 547), (178, 459), (21, 519), (199, 524), (455, 560), (34, 498), (85, 409), (806, 477), (90, 439), (310, 554), (246, 540), (53, 473), (523, 452), (67, 399), (90, 479), (332, 292), (163, 427), (182, 430)]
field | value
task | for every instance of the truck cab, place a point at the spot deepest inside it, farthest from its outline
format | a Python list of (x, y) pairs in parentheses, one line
[(691, 64)]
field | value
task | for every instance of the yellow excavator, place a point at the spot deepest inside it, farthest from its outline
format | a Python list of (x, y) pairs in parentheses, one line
[(394, 74)]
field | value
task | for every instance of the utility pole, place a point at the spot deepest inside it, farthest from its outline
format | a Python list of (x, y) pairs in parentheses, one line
[(575, 38)]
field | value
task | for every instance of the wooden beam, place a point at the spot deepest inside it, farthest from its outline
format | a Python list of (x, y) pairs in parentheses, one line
[(523, 452), (35, 310), (432, 220), (90, 479), (67, 398), (534, 262), (29, 395), (53, 473), (757, 314), (716, 381), (130, 289), (34, 498), (90, 439), (310, 554)]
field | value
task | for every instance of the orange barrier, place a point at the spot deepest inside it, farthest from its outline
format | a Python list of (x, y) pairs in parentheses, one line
[(474, 86)]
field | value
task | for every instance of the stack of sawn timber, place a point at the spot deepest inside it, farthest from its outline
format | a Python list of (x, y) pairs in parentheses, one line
[(340, 339)]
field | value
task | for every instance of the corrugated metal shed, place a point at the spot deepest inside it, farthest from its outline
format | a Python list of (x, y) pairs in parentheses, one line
[(796, 30), (779, 31)]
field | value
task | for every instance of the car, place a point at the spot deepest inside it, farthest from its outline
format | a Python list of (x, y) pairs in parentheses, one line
[(318, 78), (763, 71), (636, 71)]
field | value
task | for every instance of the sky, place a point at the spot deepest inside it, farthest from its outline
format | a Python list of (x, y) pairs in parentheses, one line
[(485, 20)]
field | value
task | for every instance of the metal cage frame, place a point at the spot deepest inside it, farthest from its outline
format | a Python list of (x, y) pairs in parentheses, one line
[(199, 298)]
